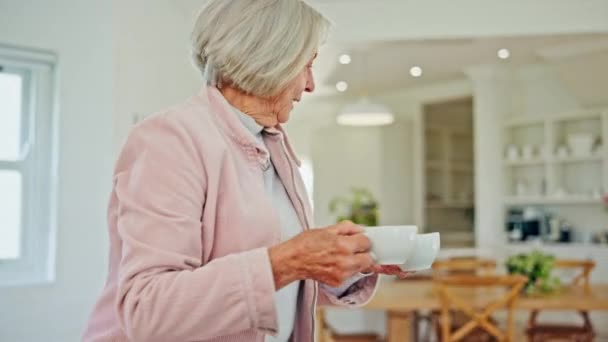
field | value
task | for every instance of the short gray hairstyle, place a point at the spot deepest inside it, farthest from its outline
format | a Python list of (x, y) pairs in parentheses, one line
[(257, 46)]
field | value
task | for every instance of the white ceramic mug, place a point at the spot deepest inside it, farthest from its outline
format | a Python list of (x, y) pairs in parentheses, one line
[(426, 249), (391, 245)]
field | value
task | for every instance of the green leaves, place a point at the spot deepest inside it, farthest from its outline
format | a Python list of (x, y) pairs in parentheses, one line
[(537, 266), (360, 207)]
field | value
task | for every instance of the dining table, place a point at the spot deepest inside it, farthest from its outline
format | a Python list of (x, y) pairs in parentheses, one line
[(400, 299)]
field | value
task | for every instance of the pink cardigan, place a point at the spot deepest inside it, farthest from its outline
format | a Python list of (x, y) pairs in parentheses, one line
[(189, 232)]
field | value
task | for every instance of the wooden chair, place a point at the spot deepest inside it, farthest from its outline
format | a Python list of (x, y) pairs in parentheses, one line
[(453, 266), (479, 324), (326, 334), (566, 332), (464, 265)]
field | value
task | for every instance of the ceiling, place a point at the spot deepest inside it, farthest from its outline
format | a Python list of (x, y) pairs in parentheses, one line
[(388, 20), (444, 39), (384, 66)]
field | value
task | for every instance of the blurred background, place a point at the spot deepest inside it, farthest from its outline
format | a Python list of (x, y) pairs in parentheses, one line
[(485, 121)]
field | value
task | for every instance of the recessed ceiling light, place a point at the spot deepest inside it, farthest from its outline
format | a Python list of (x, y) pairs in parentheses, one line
[(344, 59), (341, 86), (503, 53), (416, 71)]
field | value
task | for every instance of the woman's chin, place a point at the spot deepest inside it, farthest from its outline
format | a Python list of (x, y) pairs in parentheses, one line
[(283, 117)]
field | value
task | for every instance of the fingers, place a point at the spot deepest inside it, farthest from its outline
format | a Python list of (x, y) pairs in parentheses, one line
[(350, 237), (403, 275), (377, 269), (358, 243), (390, 269), (347, 228), (394, 270), (363, 261)]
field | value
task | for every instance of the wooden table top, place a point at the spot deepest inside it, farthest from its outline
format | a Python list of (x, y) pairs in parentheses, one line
[(414, 294)]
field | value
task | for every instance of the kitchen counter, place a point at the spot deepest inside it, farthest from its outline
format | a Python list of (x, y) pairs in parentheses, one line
[(595, 252)]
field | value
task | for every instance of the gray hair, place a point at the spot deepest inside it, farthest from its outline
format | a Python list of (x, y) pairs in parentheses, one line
[(257, 46)]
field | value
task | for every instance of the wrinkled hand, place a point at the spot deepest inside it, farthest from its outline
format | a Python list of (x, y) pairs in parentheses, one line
[(329, 255), (389, 270)]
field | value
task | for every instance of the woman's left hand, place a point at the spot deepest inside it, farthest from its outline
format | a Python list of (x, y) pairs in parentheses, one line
[(389, 270)]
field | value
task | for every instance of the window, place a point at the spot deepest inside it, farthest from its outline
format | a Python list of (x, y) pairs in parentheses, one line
[(27, 166)]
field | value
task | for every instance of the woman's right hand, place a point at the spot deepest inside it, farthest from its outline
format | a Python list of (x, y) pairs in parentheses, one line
[(329, 255)]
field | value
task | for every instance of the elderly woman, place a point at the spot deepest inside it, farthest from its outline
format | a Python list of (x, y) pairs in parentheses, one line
[(210, 228)]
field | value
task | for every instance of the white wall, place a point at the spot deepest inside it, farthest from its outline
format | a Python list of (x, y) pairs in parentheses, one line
[(538, 92), (115, 61), (79, 33), (377, 158), (344, 158), (397, 174), (153, 69)]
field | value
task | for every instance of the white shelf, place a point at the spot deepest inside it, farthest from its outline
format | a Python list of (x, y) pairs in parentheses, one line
[(450, 166), (516, 200), (449, 129), (524, 121), (461, 166), (577, 159), (569, 116), (551, 171), (525, 162), (555, 160), (576, 116)]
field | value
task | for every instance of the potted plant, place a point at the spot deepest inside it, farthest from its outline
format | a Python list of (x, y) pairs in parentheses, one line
[(537, 266), (359, 207)]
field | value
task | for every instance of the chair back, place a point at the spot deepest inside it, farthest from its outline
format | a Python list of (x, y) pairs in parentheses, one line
[(464, 265), (478, 297), (584, 268)]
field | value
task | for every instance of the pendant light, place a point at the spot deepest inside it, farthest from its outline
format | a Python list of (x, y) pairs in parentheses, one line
[(364, 112)]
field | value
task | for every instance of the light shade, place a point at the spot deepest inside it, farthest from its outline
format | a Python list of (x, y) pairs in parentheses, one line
[(365, 113)]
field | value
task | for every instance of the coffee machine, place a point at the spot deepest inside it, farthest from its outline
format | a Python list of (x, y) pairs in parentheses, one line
[(528, 223)]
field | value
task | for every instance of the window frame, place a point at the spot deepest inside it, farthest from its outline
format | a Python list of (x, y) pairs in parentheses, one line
[(38, 165)]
